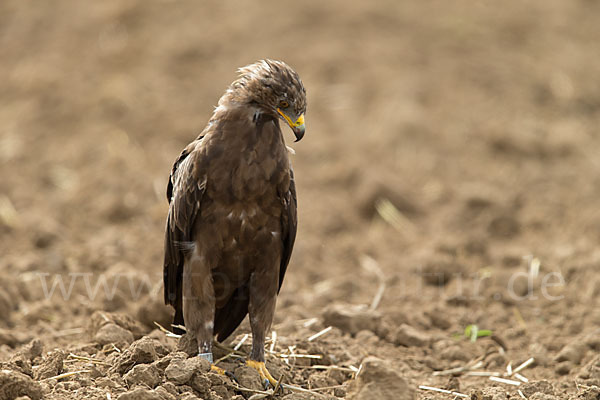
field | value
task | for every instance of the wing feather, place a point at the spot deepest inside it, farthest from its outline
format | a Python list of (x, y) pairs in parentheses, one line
[(290, 226), (184, 192)]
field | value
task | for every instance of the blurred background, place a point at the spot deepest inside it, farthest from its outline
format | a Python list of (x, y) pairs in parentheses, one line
[(453, 140)]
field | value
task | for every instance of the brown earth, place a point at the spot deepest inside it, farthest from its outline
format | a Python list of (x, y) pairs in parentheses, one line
[(451, 159)]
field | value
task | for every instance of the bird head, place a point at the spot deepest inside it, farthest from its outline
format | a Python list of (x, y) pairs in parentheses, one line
[(276, 89)]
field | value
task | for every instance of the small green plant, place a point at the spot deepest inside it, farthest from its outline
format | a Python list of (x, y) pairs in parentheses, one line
[(472, 332)]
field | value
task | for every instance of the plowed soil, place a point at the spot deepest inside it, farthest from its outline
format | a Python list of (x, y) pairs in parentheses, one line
[(448, 188)]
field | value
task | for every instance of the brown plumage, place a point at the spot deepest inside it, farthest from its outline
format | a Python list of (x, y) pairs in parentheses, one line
[(232, 217)]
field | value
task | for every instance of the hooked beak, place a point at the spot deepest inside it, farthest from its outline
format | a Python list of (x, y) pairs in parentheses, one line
[(297, 127)]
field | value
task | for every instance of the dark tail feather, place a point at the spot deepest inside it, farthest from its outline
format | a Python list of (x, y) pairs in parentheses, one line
[(178, 320), (228, 318)]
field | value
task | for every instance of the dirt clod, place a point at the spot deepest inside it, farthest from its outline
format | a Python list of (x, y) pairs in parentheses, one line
[(51, 365), (142, 351), (408, 336), (456, 353), (351, 319), (379, 380), (180, 370), (248, 377), (200, 383), (545, 387), (321, 380), (494, 393), (189, 396), (113, 334), (563, 368), (573, 352), (20, 363), (33, 349), (542, 396), (12, 338), (591, 393), (441, 270), (591, 370), (14, 384), (140, 394), (164, 394), (146, 374), (438, 318), (188, 344)]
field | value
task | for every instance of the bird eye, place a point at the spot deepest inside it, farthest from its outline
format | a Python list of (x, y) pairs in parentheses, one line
[(283, 104)]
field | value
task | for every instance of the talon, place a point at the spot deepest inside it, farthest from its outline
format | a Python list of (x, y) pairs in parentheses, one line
[(231, 376), (213, 367), (221, 371), (262, 371)]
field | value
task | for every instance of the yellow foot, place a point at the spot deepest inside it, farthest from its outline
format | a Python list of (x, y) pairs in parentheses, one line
[(221, 371), (262, 370), (217, 370)]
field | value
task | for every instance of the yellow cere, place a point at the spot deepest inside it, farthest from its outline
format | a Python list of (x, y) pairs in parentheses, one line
[(299, 121)]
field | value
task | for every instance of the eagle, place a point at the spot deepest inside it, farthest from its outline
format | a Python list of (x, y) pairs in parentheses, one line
[(232, 215)]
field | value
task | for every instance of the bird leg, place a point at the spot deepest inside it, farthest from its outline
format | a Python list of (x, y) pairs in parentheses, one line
[(261, 309), (199, 307)]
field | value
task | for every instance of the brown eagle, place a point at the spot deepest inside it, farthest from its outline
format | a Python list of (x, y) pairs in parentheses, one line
[(232, 216)]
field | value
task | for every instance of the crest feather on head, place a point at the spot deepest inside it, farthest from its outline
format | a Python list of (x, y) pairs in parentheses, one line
[(264, 83)]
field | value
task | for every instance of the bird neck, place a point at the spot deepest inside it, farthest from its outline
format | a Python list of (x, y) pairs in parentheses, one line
[(251, 93)]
